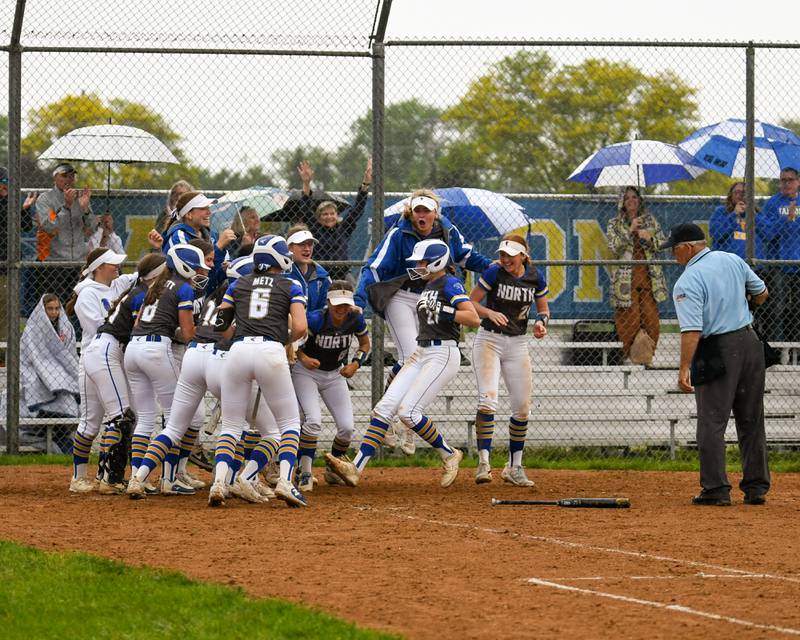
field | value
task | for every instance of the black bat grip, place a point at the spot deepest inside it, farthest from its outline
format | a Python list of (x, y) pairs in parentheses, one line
[(596, 503)]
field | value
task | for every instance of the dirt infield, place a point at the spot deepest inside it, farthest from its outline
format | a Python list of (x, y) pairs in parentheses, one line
[(401, 554)]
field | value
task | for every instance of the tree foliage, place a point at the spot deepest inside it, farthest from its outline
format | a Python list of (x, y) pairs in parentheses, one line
[(527, 123)]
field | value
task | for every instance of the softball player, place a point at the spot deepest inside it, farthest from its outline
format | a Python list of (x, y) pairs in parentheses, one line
[(149, 361), (391, 294), (443, 305), (105, 373), (320, 370), (503, 298), (261, 303), (90, 303)]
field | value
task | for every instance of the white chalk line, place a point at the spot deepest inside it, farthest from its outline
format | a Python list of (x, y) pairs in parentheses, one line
[(677, 608), (699, 574), (584, 547)]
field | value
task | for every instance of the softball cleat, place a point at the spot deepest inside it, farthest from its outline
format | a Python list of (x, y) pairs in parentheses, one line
[(516, 476), (216, 495), (483, 474), (287, 492), (345, 469), (136, 490), (450, 466), (81, 485)]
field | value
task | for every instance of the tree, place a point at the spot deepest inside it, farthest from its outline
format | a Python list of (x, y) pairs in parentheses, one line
[(58, 118), (527, 123), (286, 162), (224, 180)]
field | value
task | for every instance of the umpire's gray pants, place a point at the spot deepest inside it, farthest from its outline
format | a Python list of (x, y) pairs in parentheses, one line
[(741, 390)]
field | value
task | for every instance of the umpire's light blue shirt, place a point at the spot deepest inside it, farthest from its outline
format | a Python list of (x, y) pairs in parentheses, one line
[(710, 294)]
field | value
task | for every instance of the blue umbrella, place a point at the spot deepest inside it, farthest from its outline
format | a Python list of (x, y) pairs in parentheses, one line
[(639, 162), (477, 213), (722, 148)]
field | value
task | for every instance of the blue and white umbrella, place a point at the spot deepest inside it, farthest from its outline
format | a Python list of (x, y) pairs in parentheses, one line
[(722, 148), (477, 213), (264, 200), (639, 162)]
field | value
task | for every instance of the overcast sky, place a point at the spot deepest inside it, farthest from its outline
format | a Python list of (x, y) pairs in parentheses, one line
[(234, 111)]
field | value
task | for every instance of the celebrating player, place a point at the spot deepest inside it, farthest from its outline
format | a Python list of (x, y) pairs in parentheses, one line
[(312, 278), (261, 303), (385, 283), (149, 362), (90, 302), (503, 298), (320, 370), (443, 305)]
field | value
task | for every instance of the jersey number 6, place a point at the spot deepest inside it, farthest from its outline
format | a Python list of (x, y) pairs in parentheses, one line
[(259, 303)]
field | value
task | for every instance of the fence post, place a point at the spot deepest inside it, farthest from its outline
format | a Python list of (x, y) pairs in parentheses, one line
[(749, 167), (13, 230)]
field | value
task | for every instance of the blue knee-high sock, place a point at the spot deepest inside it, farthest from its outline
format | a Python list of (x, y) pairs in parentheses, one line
[(249, 441), (287, 452), (307, 446), (426, 430), (340, 446), (139, 445), (373, 438), (517, 432), (157, 452), (263, 452), (81, 448), (484, 430)]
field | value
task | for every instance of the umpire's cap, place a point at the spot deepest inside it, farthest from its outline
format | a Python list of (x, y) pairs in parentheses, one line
[(686, 232)]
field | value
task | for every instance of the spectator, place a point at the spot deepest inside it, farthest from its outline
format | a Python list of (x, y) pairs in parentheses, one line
[(64, 220), (104, 236), (332, 232), (175, 192), (49, 369), (247, 227), (777, 317), (636, 290), (26, 224)]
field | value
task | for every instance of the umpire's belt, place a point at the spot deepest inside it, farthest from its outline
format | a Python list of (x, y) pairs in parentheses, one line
[(201, 346), (149, 339), (254, 339), (437, 343)]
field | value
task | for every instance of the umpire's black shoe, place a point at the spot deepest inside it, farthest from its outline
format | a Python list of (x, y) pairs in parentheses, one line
[(711, 501), (755, 498)]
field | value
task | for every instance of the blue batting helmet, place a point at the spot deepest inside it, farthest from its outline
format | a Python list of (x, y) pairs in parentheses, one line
[(186, 260), (435, 252), (272, 251)]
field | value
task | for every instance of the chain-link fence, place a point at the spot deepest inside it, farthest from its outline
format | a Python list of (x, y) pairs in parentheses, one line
[(277, 112)]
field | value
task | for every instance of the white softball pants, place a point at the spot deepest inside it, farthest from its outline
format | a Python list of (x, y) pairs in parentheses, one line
[(152, 375), (403, 323), (265, 363), (103, 386), (309, 385), (416, 385), (187, 403), (494, 354)]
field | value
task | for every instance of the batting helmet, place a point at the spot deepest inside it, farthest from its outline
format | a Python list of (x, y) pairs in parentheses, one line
[(272, 251), (240, 267), (187, 260), (434, 252)]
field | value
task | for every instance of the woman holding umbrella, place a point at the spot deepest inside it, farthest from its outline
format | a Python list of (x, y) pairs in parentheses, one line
[(636, 290)]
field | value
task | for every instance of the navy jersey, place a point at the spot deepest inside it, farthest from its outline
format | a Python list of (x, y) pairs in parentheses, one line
[(328, 344), (436, 309), (161, 317), (207, 317), (511, 296), (261, 303), (120, 321)]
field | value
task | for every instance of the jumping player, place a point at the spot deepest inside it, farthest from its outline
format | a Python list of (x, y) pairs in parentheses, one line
[(443, 305), (503, 297), (261, 303), (321, 370)]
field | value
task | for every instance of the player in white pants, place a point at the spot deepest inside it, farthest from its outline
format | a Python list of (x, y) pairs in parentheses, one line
[(261, 303), (503, 298), (384, 281), (442, 308), (322, 370), (149, 361), (91, 301)]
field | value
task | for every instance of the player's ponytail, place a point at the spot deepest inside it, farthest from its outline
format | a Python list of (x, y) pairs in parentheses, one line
[(155, 289)]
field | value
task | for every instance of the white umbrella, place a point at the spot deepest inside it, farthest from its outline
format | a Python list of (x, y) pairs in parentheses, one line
[(109, 143), (638, 162)]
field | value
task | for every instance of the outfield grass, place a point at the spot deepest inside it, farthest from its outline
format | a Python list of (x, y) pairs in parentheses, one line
[(579, 458), (74, 595)]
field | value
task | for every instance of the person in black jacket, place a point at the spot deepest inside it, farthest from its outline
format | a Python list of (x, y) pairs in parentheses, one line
[(322, 218)]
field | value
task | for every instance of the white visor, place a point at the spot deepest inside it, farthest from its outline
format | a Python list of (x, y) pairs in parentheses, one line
[(299, 237), (340, 296), (424, 201), (198, 202), (512, 248), (109, 257)]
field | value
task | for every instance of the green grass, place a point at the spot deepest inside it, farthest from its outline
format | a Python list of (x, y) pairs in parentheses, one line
[(74, 595)]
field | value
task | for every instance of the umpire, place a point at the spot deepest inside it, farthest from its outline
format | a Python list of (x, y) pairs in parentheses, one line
[(725, 358)]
